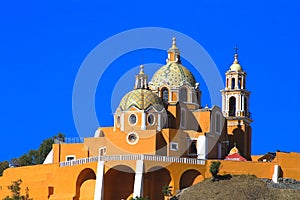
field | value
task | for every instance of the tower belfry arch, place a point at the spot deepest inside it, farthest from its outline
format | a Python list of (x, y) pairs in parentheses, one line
[(235, 107)]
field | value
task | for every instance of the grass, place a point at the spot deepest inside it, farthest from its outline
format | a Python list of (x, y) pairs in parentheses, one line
[(238, 187)]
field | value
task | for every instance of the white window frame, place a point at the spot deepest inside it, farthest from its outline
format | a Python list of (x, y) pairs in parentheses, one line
[(70, 156), (136, 140), (154, 119), (136, 121), (171, 146)]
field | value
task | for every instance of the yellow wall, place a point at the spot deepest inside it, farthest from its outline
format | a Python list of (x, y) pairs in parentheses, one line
[(69, 181), (60, 151)]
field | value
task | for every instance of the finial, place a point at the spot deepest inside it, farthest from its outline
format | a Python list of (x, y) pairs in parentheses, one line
[(235, 144), (236, 55), (141, 69), (236, 49), (173, 42)]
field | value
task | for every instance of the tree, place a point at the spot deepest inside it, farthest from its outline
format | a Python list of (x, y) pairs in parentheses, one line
[(33, 157), (3, 165), (14, 162), (25, 160), (167, 191), (139, 198), (44, 149), (15, 190), (214, 170)]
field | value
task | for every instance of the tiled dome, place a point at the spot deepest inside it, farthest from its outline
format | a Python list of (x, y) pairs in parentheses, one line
[(174, 75), (141, 99)]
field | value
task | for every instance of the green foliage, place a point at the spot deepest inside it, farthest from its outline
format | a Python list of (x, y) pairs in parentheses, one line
[(15, 191), (44, 149), (3, 165), (167, 191), (139, 198), (34, 157), (214, 169)]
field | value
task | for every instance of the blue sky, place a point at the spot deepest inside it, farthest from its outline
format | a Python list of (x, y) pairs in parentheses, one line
[(43, 45)]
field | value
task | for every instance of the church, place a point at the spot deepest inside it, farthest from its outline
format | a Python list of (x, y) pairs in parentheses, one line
[(161, 136)]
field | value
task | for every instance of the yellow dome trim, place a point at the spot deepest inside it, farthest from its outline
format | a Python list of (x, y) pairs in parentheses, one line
[(141, 99), (235, 65)]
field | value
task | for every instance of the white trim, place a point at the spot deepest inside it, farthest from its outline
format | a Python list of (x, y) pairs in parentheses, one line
[(49, 158), (118, 121), (99, 181), (138, 179), (122, 121), (143, 126)]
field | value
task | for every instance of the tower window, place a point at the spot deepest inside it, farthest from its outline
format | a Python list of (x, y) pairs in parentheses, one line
[(239, 83), (193, 148), (246, 105), (232, 83), (232, 106), (183, 95), (165, 95)]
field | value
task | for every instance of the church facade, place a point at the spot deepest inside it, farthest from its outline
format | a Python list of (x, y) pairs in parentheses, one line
[(161, 136)]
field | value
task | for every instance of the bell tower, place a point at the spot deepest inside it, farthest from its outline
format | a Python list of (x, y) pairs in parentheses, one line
[(235, 107)]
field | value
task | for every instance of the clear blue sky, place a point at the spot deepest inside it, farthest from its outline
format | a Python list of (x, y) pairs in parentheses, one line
[(43, 45)]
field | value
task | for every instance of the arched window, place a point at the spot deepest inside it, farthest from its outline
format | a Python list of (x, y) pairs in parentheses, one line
[(232, 83), (183, 95), (232, 106), (165, 95), (246, 105), (239, 83)]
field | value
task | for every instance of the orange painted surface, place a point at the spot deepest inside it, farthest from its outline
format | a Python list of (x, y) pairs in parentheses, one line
[(53, 182)]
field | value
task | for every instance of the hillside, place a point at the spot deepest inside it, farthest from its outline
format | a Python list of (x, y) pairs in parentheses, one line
[(238, 187)]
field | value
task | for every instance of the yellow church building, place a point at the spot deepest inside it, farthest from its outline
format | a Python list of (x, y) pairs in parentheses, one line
[(161, 136)]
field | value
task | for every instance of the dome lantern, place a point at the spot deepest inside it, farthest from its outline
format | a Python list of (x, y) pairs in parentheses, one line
[(174, 53)]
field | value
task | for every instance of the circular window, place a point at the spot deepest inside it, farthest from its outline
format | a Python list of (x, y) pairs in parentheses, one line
[(132, 138), (132, 119), (151, 119)]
